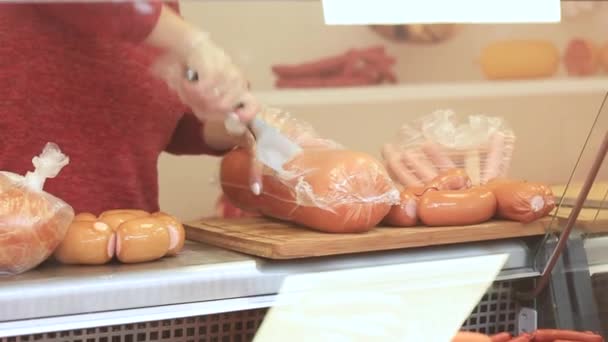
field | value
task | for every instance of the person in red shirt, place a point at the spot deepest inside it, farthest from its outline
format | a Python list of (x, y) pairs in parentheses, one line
[(79, 75)]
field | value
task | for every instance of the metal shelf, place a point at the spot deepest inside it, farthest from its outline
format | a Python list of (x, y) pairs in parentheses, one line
[(202, 280)]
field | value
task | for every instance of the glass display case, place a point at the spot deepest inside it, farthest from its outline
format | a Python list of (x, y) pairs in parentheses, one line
[(555, 106)]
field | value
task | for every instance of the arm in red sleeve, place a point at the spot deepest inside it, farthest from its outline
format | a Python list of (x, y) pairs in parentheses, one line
[(188, 138), (130, 20)]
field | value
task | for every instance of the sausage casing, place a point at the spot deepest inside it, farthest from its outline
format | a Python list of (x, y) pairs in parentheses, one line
[(405, 213), (177, 233), (86, 243), (456, 208), (142, 239), (521, 201)]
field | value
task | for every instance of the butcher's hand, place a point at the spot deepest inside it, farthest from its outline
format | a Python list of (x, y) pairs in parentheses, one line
[(220, 139), (220, 85)]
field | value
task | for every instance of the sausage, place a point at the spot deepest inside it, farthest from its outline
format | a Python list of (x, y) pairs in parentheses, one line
[(177, 233), (494, 160), (472, 163), (550, 335), (451, 179), (521, 201), (136, 212), (87, 243), (435, 153), (397, 169), (404, 214), (519, 59), (117, 218), (417, 161), (85, 217), (337, 191), (32, 225), (523, 338), (310, 69), (142, 239), (467, 336), (456, 208), (501, 337), (581, 57), (334, 81)]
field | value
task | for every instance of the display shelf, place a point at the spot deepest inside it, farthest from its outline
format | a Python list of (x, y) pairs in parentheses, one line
[(402, 92), (202, 280)]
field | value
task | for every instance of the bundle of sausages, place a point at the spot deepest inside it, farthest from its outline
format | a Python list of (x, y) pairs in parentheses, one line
[(32, 221), (451, 200), (132, 236), (483, 146), (356, 67), (541, 335)]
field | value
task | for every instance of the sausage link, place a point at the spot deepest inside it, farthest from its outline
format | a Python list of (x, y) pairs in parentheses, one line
[(456, 208), (87, 243), (404, 214), (177, 233), (142, 239), (451, 179)]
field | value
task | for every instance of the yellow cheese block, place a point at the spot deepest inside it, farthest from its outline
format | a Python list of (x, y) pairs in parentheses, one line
[(519, 59)]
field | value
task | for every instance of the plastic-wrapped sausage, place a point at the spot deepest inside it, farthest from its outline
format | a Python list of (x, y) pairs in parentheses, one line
[(404, 214), (142, 239), (436, 154), (456, 208), (495, 158), (521, 201), (87, 243), (177, 233)]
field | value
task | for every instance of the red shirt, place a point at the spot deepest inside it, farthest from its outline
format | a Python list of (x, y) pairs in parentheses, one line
[(76, 74)]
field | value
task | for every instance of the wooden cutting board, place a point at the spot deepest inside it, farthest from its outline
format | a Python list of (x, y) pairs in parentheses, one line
[(590, 220), (280, 240)]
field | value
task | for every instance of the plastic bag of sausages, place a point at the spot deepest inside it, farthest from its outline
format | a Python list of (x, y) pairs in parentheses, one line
[(482, 145), (326, 187), (32, 222)]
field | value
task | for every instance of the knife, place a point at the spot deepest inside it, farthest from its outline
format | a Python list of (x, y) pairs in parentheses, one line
[(272, 149)]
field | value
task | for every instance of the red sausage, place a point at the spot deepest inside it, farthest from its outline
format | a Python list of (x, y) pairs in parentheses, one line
[(502, 337), (550, 335), (456, 208), (404, 214), (581, 58), (317, 82), (313, 68), (523, 338), (452, 179)]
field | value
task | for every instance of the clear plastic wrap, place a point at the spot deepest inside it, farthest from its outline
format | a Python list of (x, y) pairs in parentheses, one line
[(326, 187), (482, 146), (32, 222)]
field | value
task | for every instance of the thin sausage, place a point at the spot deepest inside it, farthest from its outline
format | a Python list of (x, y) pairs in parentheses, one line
[(404, 214), (494, 159), (142, 239), (397, 169), (467, 336), (313, 68), (550, 335), (452, 179), (87, 243), (523, 338), (436, 154), (456, 208), (177, 233), (501, 337), (420, 164)]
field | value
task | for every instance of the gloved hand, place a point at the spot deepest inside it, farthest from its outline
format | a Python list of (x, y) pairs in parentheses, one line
[(219, 87)]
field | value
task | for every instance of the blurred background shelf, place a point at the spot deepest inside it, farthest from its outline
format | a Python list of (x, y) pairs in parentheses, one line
[(401, 92)]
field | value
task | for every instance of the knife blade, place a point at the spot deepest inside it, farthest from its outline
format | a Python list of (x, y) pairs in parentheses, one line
[(272, 149)]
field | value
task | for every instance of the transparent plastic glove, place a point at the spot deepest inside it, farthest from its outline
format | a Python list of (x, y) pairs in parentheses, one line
[(219, 87)]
